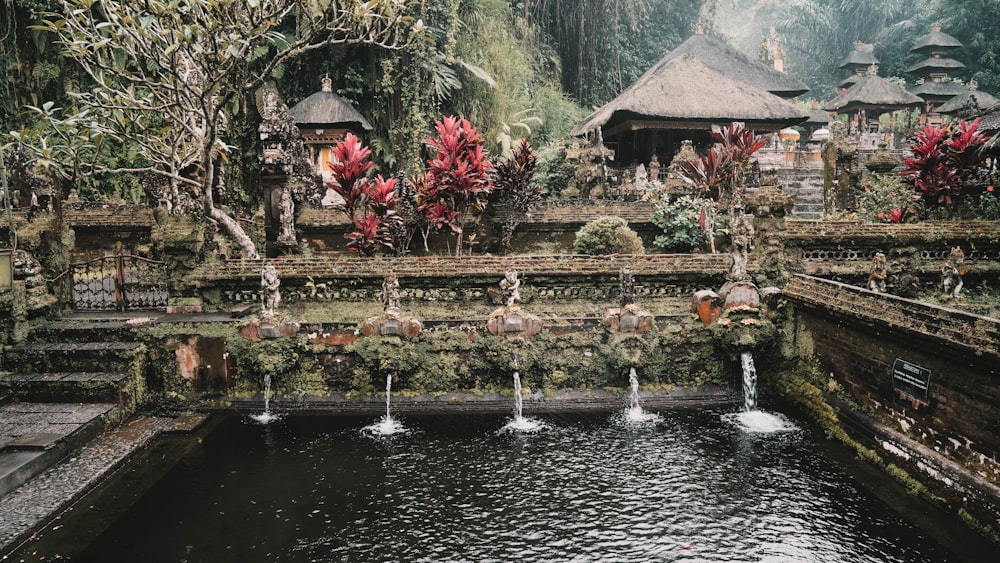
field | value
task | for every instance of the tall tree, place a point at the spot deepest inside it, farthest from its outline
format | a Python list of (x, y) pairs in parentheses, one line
[(166, 72)]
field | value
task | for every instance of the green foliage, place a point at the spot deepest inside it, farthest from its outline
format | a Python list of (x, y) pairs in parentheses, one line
[(985, 205), (885, 199), (607, 235), (681, 220)]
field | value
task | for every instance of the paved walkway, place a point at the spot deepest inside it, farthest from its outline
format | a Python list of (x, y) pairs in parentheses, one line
[(28, 508)]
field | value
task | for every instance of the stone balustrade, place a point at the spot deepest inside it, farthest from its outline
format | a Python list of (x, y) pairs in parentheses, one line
[(966, 331)]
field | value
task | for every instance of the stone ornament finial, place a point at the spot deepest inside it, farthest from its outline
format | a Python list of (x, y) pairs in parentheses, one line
[(973, 85), (327, 84), (873, 70), (699, 28), (936, 27)]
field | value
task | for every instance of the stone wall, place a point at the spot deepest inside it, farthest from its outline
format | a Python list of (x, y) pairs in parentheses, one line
[(950, 437)]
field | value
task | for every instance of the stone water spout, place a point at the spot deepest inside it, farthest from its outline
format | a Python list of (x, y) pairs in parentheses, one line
[(392, 322), (510, 320), (271, 323), (628, 317)]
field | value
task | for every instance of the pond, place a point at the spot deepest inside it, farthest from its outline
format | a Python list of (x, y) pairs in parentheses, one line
[(681, 485)]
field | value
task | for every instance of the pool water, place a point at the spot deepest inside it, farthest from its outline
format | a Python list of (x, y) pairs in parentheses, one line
[(685, 485)]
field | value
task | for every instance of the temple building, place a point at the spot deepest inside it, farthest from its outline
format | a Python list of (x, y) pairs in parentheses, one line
[(970, 103), (866, 101), (856, 63), (323, 119), (934, 69), (701, 83)]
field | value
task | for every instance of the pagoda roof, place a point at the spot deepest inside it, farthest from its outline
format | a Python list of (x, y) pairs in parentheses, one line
[(932, 64), (936, 40), (872, 92), (931, 89), (683, 90), (327, 109), (721, 57), (861, 57)]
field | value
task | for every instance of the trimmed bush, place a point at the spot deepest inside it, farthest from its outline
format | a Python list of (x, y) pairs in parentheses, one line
[(607, 235)]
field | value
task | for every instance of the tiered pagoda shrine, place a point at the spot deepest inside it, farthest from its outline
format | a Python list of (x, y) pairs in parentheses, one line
[(856, 63), (933, 70), (323, 119)]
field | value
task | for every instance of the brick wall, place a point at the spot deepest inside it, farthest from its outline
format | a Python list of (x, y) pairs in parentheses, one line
[(857, 335)]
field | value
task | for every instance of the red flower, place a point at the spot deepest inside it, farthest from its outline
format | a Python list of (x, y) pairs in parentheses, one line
[(989, 188)]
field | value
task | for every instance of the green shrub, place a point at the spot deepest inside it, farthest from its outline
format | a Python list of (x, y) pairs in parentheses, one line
[(680, 221), (885, 199), (607, 235)]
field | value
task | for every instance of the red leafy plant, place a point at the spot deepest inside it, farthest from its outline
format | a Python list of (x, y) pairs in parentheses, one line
[(721, 171), (457, 180), (517, 192), (943, 159), (369, 202)]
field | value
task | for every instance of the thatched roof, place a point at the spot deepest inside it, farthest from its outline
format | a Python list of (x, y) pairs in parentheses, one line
[(936, 40), (970, 103), (935, 64), (872, 92), (722, 58), (862, 56), (818, 117), (683, 89), (326, 109), (989, 122), (931, 89)]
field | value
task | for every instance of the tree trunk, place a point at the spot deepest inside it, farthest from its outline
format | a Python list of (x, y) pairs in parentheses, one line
[(230, 225)]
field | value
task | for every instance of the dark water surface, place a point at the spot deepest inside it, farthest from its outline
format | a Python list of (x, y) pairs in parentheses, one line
[(588, 487)]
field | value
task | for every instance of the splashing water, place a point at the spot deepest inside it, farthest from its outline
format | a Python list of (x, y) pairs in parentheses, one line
[(266, 417), (749, 382), (751, 419), (635, 414), (520, 423), (386, 426)]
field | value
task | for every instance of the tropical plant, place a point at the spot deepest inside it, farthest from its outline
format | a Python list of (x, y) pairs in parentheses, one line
[(369, 203), (165, 74), (721, 172), (457, 181), (518, 194), (684, 223), (944, 158), (607, 235), (886, 199)]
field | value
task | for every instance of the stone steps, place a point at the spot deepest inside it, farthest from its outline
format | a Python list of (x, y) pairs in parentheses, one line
[(74, 356), (67, 387), (33, 436)]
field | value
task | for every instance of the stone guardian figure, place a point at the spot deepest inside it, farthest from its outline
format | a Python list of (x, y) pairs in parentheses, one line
[(952, 272), (878, 273), (270, 296), (509, 286)]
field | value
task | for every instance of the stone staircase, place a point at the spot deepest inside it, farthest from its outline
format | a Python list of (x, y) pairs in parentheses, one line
[(807, 187), (61, 388)]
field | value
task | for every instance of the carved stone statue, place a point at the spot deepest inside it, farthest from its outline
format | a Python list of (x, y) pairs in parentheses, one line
[(287, 217), (270, 296), (390, 293), (627, 284), (742, 235), (878, 273), (509, 286), (654, 168), (952, 272)]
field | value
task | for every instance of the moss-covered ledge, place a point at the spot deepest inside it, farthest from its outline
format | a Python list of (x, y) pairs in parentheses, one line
[(211, 364)]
